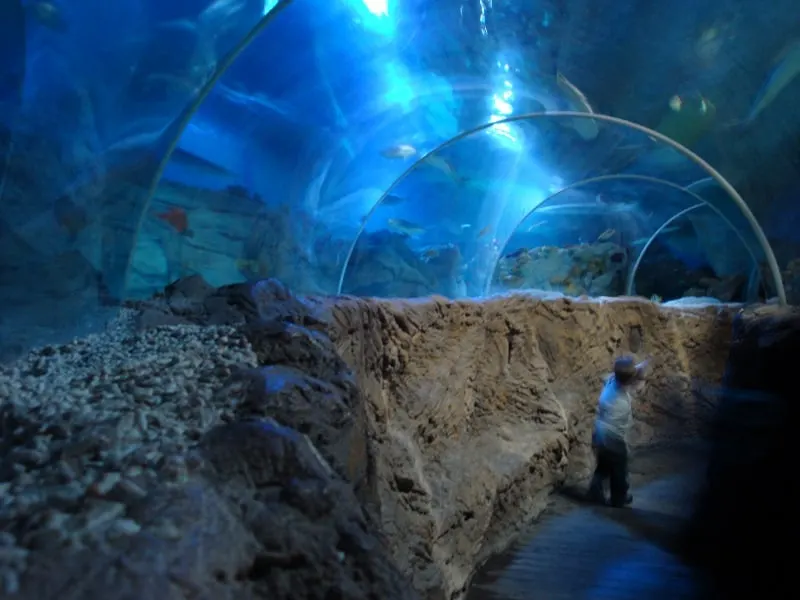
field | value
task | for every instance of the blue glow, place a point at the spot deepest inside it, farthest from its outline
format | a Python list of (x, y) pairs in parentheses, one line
[(399, 90)]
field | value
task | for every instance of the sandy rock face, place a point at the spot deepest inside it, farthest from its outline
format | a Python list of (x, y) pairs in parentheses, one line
[(241, 442), (477, 409)]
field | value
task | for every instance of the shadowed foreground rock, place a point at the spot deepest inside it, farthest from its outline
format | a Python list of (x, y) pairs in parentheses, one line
[(747, 515), (244, 443)]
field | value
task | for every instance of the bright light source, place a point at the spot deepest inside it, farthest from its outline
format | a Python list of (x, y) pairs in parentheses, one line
[(379, 8), (501, 105)]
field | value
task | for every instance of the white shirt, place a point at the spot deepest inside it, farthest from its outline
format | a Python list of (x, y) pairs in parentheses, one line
[(614, 413)]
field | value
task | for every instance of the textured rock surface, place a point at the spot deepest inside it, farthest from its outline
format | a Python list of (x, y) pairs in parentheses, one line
[(240, 442), (477, 409)]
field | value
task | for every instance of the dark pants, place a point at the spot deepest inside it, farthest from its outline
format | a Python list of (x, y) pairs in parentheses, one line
[(612, 465)]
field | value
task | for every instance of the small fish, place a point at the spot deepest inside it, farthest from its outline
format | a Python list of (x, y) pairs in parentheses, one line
[(656, 298), (588, 129), (697, 102), (404, 227), (442, 164), (536, 226), (786, 69), (72, 217), (606, 235), (429, 253), (177, 218), (47, 14), (392, 200), (184, 158), (399, 151), (484, 231)]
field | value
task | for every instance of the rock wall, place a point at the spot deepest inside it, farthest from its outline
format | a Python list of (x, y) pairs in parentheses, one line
[(247, 443), (477, 410)]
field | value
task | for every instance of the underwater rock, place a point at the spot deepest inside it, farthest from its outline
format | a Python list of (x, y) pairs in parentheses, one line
[(593, 269), (383, 265), (325, 450)]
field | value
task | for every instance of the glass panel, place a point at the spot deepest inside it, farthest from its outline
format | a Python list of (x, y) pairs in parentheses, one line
[(442, 226)]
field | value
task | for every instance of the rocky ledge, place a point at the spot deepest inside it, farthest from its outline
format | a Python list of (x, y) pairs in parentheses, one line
[(242, 442)]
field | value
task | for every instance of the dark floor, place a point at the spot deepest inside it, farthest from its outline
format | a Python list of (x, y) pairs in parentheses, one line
[(580, 551)]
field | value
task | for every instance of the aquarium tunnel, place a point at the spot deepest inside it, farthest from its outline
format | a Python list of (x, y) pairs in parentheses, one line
[(394, 148)]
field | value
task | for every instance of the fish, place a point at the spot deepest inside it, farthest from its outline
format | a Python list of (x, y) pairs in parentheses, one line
[(72, 217), (786, 69), (184, 158), (694, 102), (588, 129), (484, 231), (399, 151), (606, 235), (48, 15), (536, 226), (404, 227), (443, 165), (177, 218), (392, 200)]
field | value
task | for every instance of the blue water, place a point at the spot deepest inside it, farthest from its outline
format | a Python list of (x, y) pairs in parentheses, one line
[(276, 128)]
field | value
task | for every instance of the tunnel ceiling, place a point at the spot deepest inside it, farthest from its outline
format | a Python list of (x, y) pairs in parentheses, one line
[(322, 106), (383, 74)]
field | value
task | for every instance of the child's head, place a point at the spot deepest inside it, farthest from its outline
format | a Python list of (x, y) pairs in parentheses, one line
[(627, 372)]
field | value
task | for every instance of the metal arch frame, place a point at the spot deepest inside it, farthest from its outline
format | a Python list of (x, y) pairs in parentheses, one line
[(633, 177), (721, 181), (189, 111), (755, 274)]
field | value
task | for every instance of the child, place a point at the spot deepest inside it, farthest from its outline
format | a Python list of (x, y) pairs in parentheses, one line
[(611, 428)]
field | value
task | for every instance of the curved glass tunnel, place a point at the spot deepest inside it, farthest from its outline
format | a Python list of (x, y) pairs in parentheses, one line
[(251, 139), (650, 241)]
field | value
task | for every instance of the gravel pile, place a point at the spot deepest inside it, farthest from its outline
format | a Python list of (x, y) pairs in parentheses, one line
[(87, 429), (210, 444)]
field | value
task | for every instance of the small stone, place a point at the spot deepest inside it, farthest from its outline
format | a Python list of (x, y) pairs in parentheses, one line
[(102, 512), (124, 528), (29, 457), (105, 484), (130, 490)]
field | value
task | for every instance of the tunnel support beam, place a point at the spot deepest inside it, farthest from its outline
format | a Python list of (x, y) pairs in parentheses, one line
[(721, 181)]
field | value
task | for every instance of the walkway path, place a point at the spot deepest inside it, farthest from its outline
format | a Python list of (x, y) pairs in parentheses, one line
[(578, 551)]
